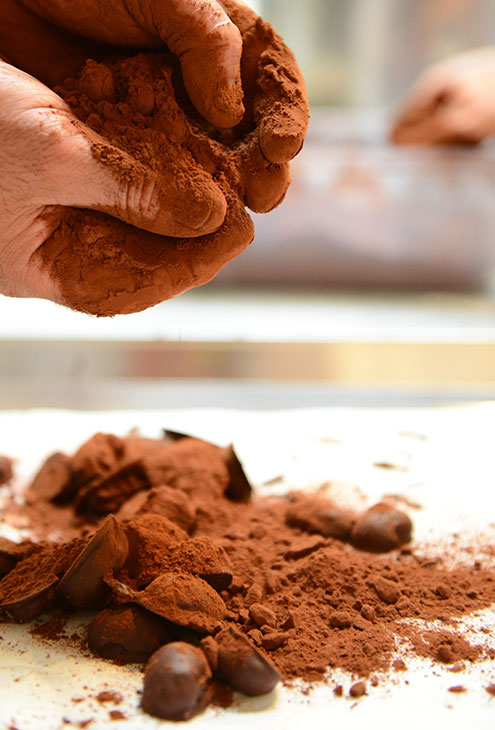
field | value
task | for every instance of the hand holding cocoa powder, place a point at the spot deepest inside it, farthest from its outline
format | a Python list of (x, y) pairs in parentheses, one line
[(129, 143)]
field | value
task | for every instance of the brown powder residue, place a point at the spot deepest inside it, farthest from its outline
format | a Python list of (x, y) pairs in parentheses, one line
[(51, 630), (115, 715), (309, 602), (109, 696), (138, 108)]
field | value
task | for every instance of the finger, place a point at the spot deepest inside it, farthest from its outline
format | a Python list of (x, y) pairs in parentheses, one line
[(148, 268), (265, 183), (209, 46), (420, 116), (86, 171), (273, 84)]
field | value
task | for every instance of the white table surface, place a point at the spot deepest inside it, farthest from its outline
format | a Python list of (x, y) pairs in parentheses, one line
[(446, 464)]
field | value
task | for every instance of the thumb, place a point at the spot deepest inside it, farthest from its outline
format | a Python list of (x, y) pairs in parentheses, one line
[(87, 171)]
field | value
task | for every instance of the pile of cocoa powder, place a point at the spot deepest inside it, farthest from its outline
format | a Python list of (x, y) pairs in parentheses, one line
[(168, 535), (138, 106)]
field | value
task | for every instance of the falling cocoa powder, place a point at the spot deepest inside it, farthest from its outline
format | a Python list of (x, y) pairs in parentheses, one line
[(247, 574), (138, 106)]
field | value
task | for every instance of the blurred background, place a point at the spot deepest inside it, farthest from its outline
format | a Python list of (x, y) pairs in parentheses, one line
[(372, 285)]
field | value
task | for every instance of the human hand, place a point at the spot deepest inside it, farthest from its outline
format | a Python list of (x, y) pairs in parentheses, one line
[(451, 102), (46, 163), (198, 31)]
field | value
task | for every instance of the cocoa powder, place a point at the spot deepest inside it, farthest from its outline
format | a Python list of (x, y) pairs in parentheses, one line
[(306, 602), (138, 106)]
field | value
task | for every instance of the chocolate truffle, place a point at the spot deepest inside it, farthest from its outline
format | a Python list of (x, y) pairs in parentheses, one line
[(381, 528), (127, 633), (184, 600), (243, 666), (176, 681), (53, 482)]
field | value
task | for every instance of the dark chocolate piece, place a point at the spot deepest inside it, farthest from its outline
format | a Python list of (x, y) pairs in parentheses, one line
[(239, 488), (127, 633), (357, 690), (170, 435), (100, 453), (243, 666), (176, 681), (53, 482), (32, 600), (82, 585), (12, 552), (381, 528), (6, 471), (107, 493)]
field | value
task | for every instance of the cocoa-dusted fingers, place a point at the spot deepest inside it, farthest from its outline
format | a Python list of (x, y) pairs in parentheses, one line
[(273, 86), (153, 268), (265, 183)]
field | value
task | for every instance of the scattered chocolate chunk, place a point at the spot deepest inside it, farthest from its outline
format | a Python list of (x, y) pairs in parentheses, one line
[(368, 612), (340, 619), (115, 715), (243, 666), (82, 585), (261, 615), (127, 633), (381, 528), (239, 488), (443, 591), (254, 594), (176, 681), (53, 482), (491, 689), (106, 696), (6, 471), (274, 640), (316, 514), (457, 689), (387, 590), (357, 690), (338, 691)]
